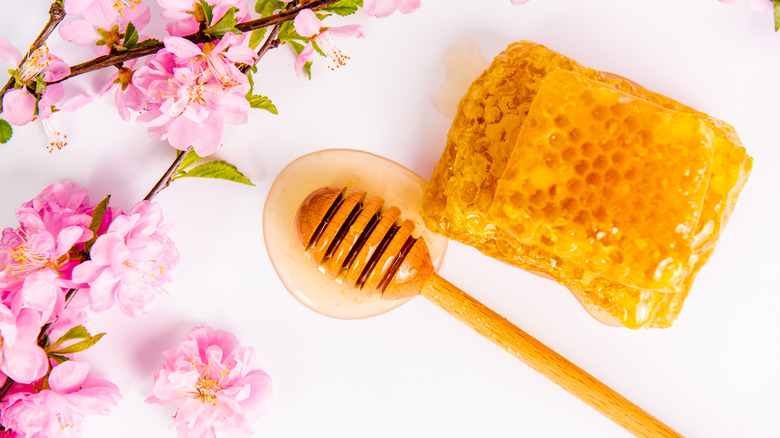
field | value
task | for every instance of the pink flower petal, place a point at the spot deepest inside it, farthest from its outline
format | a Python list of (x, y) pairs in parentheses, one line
[(305, 56), (241, 54), (68, 376), (182, 48), (101, 14), (307, 24), (9, 53), (210, 138), (77, 7), (352, 30), (79, 32), (18, 107), (75, 102), (56, 70)]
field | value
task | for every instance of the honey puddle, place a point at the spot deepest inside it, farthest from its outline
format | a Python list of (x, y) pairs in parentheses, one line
[(378, 176)]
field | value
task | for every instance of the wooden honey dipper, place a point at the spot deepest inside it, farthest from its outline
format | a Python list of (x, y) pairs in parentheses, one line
[(359, 244)]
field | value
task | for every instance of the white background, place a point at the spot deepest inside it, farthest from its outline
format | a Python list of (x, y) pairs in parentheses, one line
[(416, 371)]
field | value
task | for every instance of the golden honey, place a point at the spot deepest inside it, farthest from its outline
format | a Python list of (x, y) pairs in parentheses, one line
[(616, 192)]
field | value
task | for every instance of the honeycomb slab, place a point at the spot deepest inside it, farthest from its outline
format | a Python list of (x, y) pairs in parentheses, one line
[(616, 192)]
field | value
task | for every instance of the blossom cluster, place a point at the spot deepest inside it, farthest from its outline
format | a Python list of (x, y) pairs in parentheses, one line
[(184, 93), (63, 244), (211, 378)]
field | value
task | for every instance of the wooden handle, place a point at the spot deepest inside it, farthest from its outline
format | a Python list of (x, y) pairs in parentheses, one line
[(544, 360)]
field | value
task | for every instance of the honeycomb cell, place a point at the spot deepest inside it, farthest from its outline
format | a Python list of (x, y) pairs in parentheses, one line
[(456, 201)]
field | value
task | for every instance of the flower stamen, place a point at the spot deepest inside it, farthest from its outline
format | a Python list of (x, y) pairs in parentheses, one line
[(57, 139), (206, 390), (34, 65)]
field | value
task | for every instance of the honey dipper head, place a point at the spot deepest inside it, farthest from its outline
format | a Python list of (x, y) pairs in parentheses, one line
[(356, 242)]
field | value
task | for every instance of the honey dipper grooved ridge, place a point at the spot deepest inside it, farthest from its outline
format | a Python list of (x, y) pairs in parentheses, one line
[(366, 248)]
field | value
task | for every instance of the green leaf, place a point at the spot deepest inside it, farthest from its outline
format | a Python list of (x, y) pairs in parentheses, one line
[(6, 131), (251, 82), (256, 37), (287, 33), (79, 346), (207, 11), (40, 85), (344, 7), (190, 159), (225, 24), (262, 102), (147, 42), (776, 4), (268, 7), (77, 332), (97, 219), (59, 359), (218, 169), (131, 37)]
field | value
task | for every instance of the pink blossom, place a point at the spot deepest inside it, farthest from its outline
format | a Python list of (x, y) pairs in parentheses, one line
[(19, 104), (21, 359), (104, 14), (60, 410), (130, 262), (383, 8), (184, 22), (187, 104), (219, 58), (128, 96), (308, 25), (47, 232), (210, 377), (754, 5)]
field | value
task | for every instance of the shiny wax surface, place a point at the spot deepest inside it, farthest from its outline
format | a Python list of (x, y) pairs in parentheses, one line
[(378, 176)]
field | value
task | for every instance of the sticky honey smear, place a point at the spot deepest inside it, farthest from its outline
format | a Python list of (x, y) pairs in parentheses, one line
[(564, 207), (463, 62)]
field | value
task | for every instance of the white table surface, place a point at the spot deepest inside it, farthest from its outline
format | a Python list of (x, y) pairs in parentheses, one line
[(416, 371)]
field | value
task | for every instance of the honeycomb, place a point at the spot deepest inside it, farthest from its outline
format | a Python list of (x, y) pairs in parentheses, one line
[(609, 182), (604, 277)]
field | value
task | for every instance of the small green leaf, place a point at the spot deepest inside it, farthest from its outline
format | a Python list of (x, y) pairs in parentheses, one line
[(218, 169), (225, 24), (287, 33), (207, 11), (262, 102), (251, 82), (317, 48), (131, 37), (147, 42), (40, 85), (190, 159), (268, 7), (256, 37), (97, 219), (77, 332), (776, 4), (6, 131), (59, 359), (344, 7), (79, 346)]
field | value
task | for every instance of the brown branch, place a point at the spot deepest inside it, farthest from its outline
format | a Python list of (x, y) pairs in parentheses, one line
[(247, 26), (167, 177), (56, 14)]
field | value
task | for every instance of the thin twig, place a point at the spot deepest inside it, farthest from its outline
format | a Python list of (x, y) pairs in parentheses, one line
[(56, 14), (167, 177), (247, 26)]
